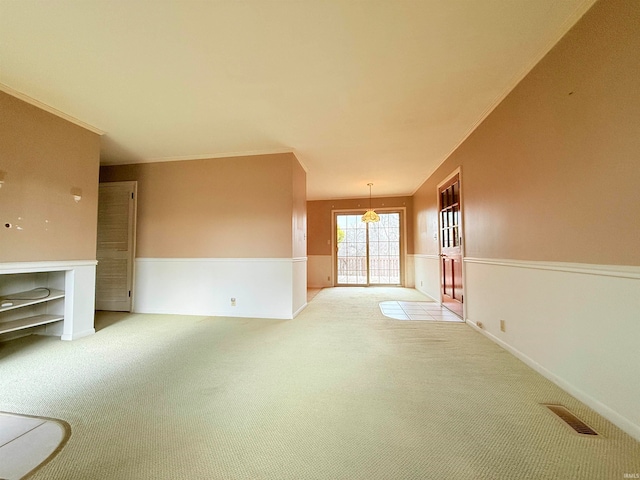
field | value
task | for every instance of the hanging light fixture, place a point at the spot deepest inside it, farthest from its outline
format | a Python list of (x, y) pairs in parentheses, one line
[(370, 215)]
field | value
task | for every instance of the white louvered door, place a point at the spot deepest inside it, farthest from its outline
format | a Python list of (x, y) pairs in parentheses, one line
[(116, 246)]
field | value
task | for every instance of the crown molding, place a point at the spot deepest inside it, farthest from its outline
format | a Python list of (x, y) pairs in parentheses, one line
[(48, 108), (204, 156)]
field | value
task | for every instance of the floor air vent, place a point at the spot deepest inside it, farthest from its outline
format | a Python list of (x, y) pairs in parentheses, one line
[(571, 420)]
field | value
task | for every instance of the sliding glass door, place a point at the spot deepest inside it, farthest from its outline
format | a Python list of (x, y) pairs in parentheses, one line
[(368, 253)]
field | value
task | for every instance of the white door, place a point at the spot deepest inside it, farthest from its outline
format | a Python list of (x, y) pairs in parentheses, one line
[(116, 245)]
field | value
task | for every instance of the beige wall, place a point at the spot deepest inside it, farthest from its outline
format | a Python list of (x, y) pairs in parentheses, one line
[(43, 157), (319, 219), (238, 207), (554, 172)]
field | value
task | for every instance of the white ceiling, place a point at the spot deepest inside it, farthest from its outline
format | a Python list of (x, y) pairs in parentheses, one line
[(361, 91)]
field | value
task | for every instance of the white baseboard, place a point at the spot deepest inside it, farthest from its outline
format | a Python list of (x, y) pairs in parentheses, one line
[(576, 324), (77, 335), (297, 312), (597, 406)]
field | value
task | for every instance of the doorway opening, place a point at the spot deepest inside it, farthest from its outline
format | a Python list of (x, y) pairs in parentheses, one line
[(368, 253)]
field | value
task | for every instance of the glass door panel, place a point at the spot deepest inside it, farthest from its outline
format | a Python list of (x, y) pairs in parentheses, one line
[(352, 250), (384, 250), (368, 253)]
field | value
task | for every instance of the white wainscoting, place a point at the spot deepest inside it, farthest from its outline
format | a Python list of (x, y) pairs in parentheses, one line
[(576, 324), (299, 269), (262, 287), (427, 275), (319, 271)]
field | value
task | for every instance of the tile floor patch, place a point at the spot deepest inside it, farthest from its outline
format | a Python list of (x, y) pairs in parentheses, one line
[(418, 311), (29, 442)]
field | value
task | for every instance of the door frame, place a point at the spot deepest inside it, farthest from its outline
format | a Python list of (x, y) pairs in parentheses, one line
[(360, 211), (458, 172)]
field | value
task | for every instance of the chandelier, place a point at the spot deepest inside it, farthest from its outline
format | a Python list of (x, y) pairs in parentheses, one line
[(370, 215)]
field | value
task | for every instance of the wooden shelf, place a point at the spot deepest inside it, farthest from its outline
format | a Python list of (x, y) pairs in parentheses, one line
[(31, 297), (53, 295), (28, 322)]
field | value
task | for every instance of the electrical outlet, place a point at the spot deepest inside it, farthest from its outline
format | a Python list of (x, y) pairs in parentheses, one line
[(503, 327), (420, 282), (328, 279), (233, 302)]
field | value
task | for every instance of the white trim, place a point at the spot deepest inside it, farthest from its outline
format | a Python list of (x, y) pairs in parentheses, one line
[(76, 336), (207, 156), (44, 266), (297, 312), (580, 10), (222, 260), (47, 108), (457, 171), (210, 156), (613, 416), (302, 164), (357, 197), (620, 271), (426, 255)]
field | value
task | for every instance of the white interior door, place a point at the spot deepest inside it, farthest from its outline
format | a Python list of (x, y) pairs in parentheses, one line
[(116, 246)]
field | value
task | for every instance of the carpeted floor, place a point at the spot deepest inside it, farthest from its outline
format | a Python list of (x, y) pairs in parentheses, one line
[(341, 392)]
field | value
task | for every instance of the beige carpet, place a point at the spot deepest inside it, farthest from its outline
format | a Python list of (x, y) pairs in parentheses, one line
[(341, 392)]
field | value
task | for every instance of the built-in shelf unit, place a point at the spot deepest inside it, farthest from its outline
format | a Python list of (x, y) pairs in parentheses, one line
[(49, 298)]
